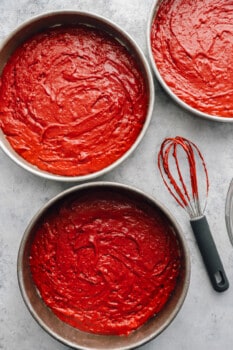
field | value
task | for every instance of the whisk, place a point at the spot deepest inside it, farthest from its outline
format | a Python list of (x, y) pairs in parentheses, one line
[(190, 186)]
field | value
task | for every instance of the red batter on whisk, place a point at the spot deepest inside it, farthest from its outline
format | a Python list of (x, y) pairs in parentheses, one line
[(185, 176), (179, 189)]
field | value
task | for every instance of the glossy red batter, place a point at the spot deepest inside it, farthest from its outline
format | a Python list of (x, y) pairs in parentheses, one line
[(72, 100), (104, 264), (192, 44), (186, 193)]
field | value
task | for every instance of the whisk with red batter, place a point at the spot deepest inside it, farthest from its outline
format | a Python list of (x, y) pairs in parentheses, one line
[(185, 175)]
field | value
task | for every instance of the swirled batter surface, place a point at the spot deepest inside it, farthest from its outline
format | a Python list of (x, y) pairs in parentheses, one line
[(105, 264), (192, 44), (72, 100)]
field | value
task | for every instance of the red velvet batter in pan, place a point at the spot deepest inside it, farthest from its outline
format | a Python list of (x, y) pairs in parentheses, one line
[(105, 264), (72, 100), (192, 43)]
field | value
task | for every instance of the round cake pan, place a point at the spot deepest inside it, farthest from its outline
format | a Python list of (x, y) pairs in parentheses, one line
[(161, 80), (229, 212), (51, 19), (83, 340)]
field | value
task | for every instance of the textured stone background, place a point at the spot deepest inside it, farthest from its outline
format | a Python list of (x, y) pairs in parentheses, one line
[(205, 321)]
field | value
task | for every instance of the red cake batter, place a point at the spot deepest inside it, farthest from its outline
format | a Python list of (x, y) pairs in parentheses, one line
[(72, 100), (104, 264), (192, 44)]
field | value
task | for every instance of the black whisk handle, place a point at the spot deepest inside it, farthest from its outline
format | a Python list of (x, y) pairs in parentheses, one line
[(209, 253)]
